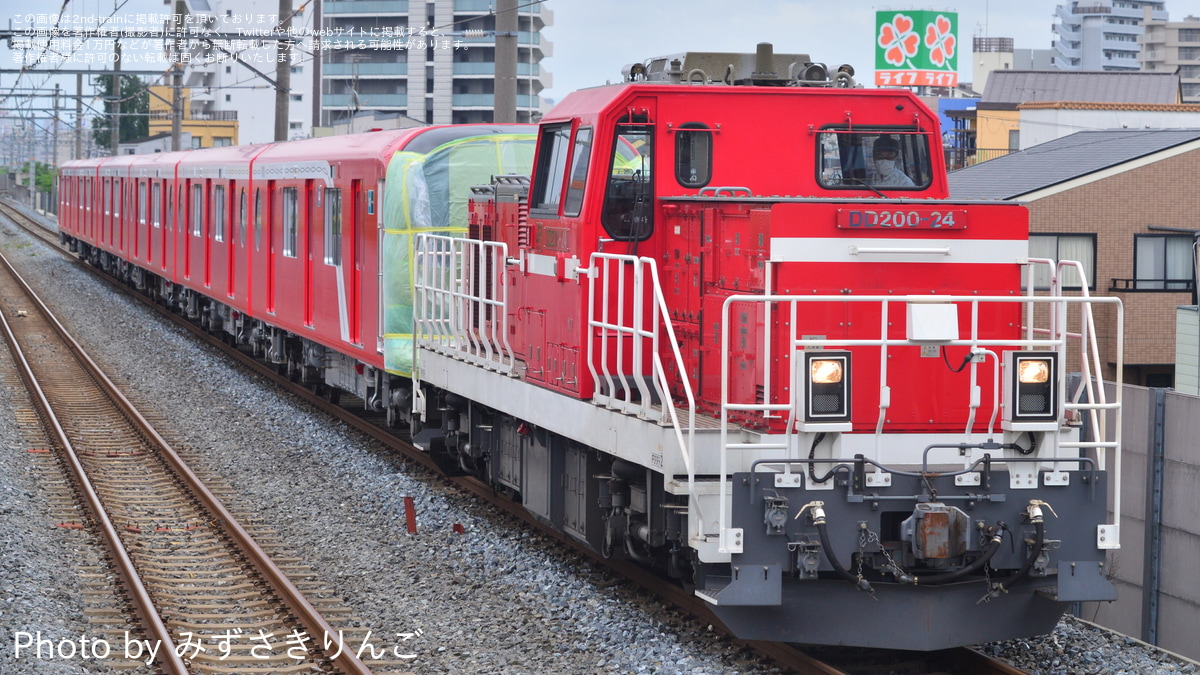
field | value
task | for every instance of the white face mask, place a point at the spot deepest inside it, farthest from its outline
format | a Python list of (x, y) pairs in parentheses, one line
[(885, 166)]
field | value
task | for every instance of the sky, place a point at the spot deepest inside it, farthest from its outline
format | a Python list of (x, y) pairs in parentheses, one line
[(593, 39)]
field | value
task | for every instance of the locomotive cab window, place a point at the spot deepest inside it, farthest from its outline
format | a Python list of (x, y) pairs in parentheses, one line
[(693, 155), (551, 168), (887, 159), (629, 198)]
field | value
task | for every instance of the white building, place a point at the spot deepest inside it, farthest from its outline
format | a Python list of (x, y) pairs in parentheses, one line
[(374, 57), (222, 85), (1102, 34)]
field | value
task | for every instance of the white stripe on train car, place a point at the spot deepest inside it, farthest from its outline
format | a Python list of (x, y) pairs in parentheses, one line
[(877, 250)]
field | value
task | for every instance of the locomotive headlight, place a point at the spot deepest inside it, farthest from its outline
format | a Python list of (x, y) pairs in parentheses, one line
[(825, 386), (1031, 395), (1033, 371), (825, 371)]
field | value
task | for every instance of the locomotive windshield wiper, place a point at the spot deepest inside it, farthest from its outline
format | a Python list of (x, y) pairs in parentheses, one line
[(866, 185)]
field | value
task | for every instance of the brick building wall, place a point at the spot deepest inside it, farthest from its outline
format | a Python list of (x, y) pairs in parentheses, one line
[(1116, 208)]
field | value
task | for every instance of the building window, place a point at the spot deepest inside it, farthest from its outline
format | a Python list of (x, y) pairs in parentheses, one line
[(295, 126), (1078, 247), (1014, 139), (297, 97), (297, 69), (1162, 262), (290, 226), (228, 69), (333, 226), (222, 141)]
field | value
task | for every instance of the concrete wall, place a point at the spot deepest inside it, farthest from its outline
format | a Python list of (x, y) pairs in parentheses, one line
[(1178, 595), (1042, 125), (1187, 350)]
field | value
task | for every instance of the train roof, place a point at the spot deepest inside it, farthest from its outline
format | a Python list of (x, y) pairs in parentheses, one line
[(614, 96)]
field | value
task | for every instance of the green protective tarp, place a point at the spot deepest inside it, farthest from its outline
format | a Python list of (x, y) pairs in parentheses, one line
[(428, 192)]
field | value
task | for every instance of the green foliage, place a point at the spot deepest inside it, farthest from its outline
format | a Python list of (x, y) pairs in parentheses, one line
[(135, 104), (43, 176)]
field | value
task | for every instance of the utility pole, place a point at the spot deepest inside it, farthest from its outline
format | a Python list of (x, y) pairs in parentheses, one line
[(316, 65), (32, 161), (504, 101), (177, 81), (283, 72), (116, 99), (54, 154), (78, 115)]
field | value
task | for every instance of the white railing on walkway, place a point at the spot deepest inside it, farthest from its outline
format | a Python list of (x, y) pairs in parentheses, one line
[(459, 295)]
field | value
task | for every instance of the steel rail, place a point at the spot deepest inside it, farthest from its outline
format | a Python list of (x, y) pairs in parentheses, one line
[(295, 600), (139, 597)]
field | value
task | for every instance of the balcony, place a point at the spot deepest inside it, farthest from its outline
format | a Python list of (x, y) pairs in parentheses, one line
[(960, 158), (393, 69), (365, 101), (523, 37), (488, 68), (197, 115), (332, 7), (488, 101), (487, 6)]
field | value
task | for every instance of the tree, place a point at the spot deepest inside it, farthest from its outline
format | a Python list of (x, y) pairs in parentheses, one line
[(43, 175), (135, 105)]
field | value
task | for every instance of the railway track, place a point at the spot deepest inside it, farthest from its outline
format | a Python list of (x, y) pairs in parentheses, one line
[(788, 657), (208, 598)]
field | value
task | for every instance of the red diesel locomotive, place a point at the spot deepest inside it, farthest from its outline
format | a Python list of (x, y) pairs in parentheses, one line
[(728, 324)]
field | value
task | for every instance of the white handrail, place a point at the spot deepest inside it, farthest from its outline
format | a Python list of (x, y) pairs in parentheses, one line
[(601, 273)]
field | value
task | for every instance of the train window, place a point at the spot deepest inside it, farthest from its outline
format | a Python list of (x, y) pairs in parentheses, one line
[(242, 219), (142, 206), (156, 204), (629, 201), (693, 155), (579, 169), (891, 159), (219, 210), (197, 210), (116, 198), (333, 226), (258, 216), (104, 188), (551, 167), (290, 215)]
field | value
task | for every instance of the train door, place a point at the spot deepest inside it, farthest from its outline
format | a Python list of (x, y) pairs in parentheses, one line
[(353, 214), (105, 221), (121, 209), (307, 226), (270, 242), (211, 222), (237, 232), (141, 229), (191, 222)]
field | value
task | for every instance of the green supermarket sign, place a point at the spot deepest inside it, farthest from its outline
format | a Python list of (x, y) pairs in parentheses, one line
[(917, 48)]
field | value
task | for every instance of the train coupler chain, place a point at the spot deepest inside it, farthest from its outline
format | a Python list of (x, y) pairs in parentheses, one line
[(867, 536)]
